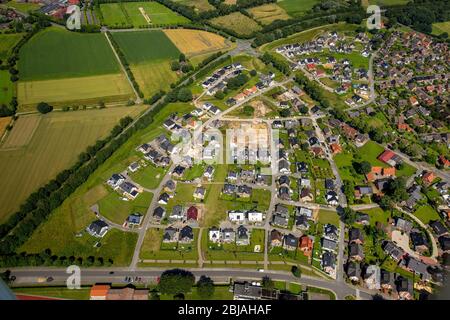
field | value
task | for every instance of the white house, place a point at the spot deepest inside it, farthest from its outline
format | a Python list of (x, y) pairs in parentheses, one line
[(255, 216), (236, 216), (214, 235)]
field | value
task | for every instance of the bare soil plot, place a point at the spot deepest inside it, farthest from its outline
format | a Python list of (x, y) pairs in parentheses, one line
[(22, 132), (236, 22)]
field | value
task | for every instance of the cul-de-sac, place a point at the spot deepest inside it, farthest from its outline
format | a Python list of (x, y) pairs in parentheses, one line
[(223, 149)]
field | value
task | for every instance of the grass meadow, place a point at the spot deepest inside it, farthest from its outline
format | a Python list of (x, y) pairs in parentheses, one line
[(39, 147), (297, 8), (7, 42), (6, 87)]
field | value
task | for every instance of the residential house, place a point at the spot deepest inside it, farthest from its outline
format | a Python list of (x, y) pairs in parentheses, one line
[(355, 235), (158, 213), (330, 231), (214, 235), (243, 236), (290, 242), (353, 271), (438, 228), (186, 235), (306, 245), (355, 252), (328, 262), (372, 277), (170, 235), (403, 225), (236, 216), (98, 228), (328, 245), (199, 193), (392, 250), (228, 235), (192, 213), (177, 213), (276, 238)]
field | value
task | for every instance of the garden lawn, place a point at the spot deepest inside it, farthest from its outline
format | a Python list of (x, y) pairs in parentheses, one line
[(56, 292), (377, 215), (148, 177), (117, 210), (113, 15), (158, 14), (330, 217), (426, 214)]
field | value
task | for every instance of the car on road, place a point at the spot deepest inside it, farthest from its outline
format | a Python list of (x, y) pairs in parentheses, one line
[(261, 270), (49, 279)]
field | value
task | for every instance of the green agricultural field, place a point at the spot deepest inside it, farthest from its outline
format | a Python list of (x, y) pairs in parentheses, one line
[(268, 13), (7, 42), (6, 87), (149, 63), (200, 5), (236, 22), (297, 7), (156, 12), (58, 232), (113, 15), (38, 147), (56, 53), (384, 2), (441, 27)]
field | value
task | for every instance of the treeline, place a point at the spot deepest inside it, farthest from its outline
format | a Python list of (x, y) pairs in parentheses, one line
[(281, 64), (354, 16), (420, 14), (312, 89), (46, 258), (125, 64), (39, 22)]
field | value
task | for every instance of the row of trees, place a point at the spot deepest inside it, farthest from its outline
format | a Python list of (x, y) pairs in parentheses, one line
[(178, 282), (312, 89), (279, 30), (281, 64), (10, 64), (125, 64)]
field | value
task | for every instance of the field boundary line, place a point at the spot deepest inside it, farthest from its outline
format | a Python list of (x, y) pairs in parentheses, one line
[(138, 100)]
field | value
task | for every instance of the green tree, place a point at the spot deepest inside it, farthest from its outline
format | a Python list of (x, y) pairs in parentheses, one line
[(268, 283), (348, 216), (205, 287), (184, 95), (363, 167), (248, 110), (175, 66), (296, 271), (253, 73), (182, 57), (44, 107), (176, 281)]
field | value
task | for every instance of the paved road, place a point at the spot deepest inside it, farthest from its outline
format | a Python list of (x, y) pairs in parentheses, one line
[(90, 276)]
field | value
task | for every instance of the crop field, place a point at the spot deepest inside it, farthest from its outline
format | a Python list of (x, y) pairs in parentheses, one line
[(112, 14), (157, 13), (236, 22), (3, 124), (55, 53), (7, 42), (384, 2), (38, 147), (150, 64), (199, 5), (6, 87), (297, 7), (441, 27), (58, 232), (85, 89), (268, 13), (195, 42)]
